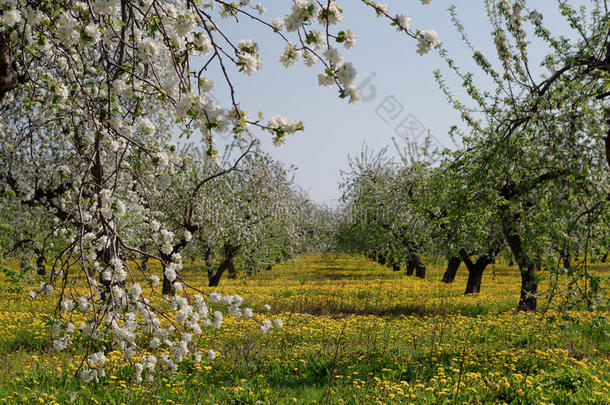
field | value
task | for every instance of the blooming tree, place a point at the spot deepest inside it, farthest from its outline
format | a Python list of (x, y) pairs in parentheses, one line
[(536, 150), (91, 93), (381, 215)]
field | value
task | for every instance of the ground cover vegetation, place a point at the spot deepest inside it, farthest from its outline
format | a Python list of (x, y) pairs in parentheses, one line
[(144, 263)]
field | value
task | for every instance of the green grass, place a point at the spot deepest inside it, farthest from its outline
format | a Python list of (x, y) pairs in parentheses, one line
[(355, 333)]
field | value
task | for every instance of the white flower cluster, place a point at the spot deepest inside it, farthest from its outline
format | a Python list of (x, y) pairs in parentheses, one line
[(427, 41), (128, 315), (249, 61), (342, 73), (95, 367), (290, 56), (280, 126), (304, 13), (267, 324)]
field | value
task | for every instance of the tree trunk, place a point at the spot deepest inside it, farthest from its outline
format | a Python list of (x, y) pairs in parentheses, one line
[(9, 78), (476, 269), (231, 272), (605, 258), (210, 276), (567, 262), (420, 268), (381, 260), (529, 283), (473, 286), (168, 286), (230, 252), (452, 268), (529, 289), (475, 277), (145, 264), (105, 256), (41, 270), (395, 266), (410, 267), (214, 279)]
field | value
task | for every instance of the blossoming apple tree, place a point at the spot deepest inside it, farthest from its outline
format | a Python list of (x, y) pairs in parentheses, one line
[(91, 93), (536, 150), (381, 216)]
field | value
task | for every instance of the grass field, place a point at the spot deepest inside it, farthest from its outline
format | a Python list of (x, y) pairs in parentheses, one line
[(354, 333)]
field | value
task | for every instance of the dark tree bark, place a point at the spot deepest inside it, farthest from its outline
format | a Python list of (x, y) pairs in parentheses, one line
[(476, 270), (231, 272), (396, 266), (41, 270), (475, 277), (168, 286), (452, 268), (607, 141), (144, 264), (529, 289), (416, 264), (214, 277), (207, 257), (567, 260), (528, 299), (9, 77), (605, 258), (105, 256), (410, 267)]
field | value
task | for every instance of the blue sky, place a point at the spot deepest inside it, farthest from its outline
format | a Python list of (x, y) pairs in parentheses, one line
[(333, 128)]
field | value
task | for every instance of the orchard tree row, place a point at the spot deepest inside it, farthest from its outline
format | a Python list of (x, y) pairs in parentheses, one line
[(93, 95), (246, 213), (530, 178)]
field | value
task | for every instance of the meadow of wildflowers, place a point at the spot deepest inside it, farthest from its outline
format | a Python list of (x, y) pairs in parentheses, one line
[(353, 332)]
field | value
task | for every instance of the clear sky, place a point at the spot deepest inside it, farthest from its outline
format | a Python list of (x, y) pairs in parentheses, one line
[(333, 128)]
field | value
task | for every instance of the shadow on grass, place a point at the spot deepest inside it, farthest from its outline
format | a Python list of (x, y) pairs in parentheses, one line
[(25, 340), (341, 309)]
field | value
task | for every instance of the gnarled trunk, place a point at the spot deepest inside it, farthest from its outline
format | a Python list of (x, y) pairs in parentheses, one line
[(475, 277), (416, 264), (476, 269), (410, 267), (231, 272), (9, 77), (41, 270), (168, 286), (214, 277), (230, 252), (452, 268), (529, 284), (567, 260), (529, 288), (105, 255)]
